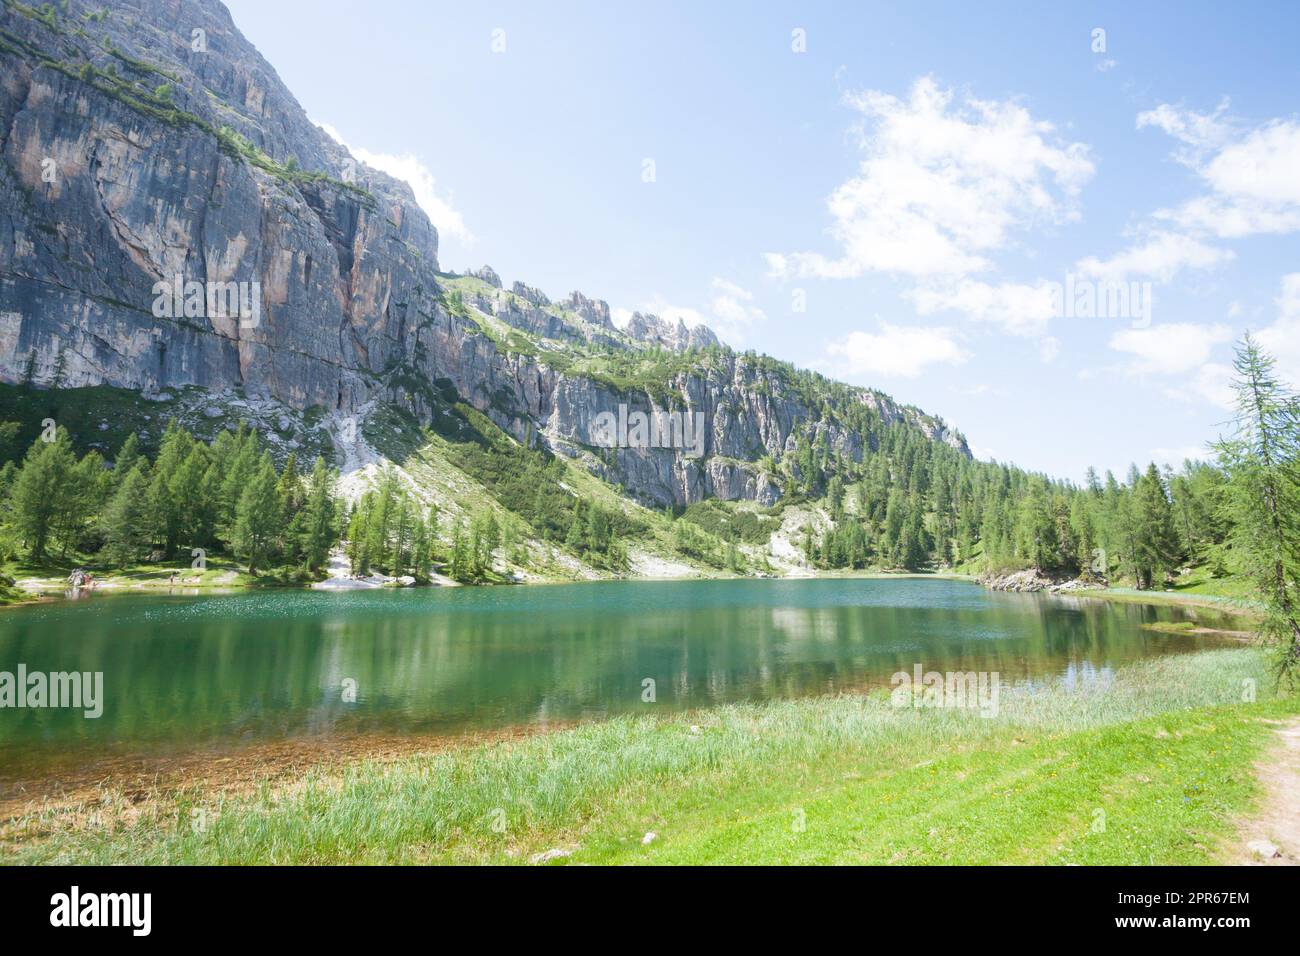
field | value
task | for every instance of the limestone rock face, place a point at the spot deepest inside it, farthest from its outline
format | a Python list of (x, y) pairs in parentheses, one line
[(126, 170), (170, 217), (652, 330), (488, 275)]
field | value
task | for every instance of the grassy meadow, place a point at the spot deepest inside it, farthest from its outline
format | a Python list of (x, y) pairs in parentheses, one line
[(1150, 767)]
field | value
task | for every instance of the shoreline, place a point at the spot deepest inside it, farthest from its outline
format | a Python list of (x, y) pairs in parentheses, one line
[(428, 801), (34, 590), (51, 591)]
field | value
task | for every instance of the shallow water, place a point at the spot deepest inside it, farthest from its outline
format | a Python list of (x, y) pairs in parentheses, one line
[(183, 673)]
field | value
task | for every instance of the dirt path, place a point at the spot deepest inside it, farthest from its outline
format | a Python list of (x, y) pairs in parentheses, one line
[(1275, 829)]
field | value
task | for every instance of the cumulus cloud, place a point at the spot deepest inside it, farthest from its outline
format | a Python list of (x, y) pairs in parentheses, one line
[(1170, 349), (944, 181), (1250, 172), (733, 309), (1281, 340), (1017, 308), (1160, 256), (1212, 381), (896, 351), (412, 170), (1198, 131)]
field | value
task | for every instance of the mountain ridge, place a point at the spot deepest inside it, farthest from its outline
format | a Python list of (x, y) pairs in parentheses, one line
[(172, 161)]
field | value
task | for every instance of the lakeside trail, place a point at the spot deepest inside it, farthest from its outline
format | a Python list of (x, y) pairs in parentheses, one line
[(1271, 836)]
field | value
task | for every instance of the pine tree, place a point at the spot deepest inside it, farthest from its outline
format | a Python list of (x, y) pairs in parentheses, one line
[(124, 522), (422, 551), (316, 527), (40, 492), (127, 456), (1155, 541), (257, 516), (1261, 459), (459, 564)]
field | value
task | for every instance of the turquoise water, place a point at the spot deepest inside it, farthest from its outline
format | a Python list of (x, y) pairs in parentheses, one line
[(186, 672)]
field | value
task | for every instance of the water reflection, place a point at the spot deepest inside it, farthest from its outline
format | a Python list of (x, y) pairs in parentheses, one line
[(187, 671)]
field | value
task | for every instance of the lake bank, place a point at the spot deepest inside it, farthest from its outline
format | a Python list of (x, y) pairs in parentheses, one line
[(210, 673), (1151, 767), (230, 580)]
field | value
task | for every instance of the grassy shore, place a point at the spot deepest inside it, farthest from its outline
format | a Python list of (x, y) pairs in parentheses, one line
[(1150, 767), (1235, 606), (35, 582)]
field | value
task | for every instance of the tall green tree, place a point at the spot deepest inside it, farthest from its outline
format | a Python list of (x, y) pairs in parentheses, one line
[(41, 491), (1261, 497), (258, 516), (125, 521), (316, 524), (1155, 542)]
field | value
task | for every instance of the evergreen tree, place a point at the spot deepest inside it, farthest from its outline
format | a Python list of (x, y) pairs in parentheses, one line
[(1261, 459), (40, 492), (316, 525), (125, 521), (258, 516), (1155, 541)]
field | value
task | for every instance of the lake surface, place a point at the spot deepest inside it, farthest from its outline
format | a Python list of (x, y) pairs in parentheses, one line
[(183, 673)]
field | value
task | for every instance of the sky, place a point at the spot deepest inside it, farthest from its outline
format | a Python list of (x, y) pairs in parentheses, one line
[(921, 198)]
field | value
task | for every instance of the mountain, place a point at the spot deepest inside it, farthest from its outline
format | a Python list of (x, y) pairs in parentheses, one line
[(154, 164)]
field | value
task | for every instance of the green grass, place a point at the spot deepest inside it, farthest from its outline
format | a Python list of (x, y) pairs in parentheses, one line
[(1164, 752), (220, 572), (9, 594)]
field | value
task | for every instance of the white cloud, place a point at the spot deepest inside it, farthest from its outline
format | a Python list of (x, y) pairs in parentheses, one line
[(1017, 308), (1200, 131), (896, 351), (410, 169), (1212, 383), (1160, 256), (730, 311), (1250, 173), (942, 183), (1281, 340), (1262, 166), (1170, 349)]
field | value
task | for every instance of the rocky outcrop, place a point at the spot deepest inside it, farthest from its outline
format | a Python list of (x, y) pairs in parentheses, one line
[(488, 275), (170, 217), (652, 330), (1031, 580), (530, 295), (594, 311)]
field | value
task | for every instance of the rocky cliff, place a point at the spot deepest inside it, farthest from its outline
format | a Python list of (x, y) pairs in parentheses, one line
[(170, 217)]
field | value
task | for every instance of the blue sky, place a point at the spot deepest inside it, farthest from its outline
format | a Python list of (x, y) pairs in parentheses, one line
[(893, 204)]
